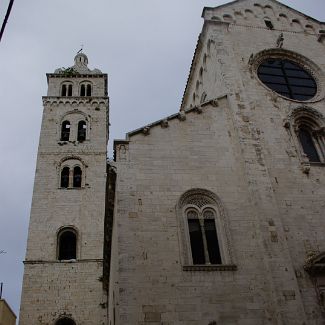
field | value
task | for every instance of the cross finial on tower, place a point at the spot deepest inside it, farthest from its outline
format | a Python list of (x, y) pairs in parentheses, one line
[(82, 46)]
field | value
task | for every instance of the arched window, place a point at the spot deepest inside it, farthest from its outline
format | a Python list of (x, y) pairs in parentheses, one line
[(65, 177), (82, 90), (70, 90), (64, 90), (65, 131), (88, 90), (307, 143), (203, 237), (309, 126), (82, 129), (67, 244), (203, 230), (77, 176), (65, 321)]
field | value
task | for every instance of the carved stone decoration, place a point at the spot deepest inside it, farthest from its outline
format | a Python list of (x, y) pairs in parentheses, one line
[(199, 109), (305, 166), (315, 267), (315, 264), (182, 116), (203, 199), (251, 59), (146, 130), (306, 111), (122, 152), (279, 41), (215, 103), (164, 123), (321, 37), (286, 123)]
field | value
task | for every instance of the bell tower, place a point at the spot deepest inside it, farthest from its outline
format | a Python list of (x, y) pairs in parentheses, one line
[(64, 258)]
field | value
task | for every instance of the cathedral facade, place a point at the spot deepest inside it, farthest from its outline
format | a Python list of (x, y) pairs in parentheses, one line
[(214, 215)]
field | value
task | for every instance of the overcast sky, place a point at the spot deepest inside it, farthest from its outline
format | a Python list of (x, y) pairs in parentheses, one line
[(145, 46)]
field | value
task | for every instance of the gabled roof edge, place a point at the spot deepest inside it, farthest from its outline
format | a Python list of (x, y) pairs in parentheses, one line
[(274, 1)]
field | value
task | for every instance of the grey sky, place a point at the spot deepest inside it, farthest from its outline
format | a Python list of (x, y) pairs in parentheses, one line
[(145, 46)]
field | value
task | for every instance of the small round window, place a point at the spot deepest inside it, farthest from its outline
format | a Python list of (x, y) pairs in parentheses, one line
[(287, 79)]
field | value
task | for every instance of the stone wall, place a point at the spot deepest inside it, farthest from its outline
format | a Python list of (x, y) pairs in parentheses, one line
[(242, 147)]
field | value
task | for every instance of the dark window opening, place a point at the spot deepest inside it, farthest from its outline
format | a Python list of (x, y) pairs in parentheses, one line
[(212, 241), (64, 90), (268, 24), (196, 239), (88, 90), (308, 145), (65, 131), (70, 90), (288, 79), (67, 245), (77, 176), (82, 128), (65, 321), (65, 177), (82, 90)]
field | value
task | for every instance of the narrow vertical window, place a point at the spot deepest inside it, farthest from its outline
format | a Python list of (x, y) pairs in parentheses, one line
[(77, 176), (70, 90), (203, 230), (64, 90), (82, 128), (82, 90), (196, 239), (308, 145), (65, 131), (65, 177), (212, 241), (88, 90), (67, 244)]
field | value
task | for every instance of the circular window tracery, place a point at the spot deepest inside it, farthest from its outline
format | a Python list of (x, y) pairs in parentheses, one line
[(287, 78)]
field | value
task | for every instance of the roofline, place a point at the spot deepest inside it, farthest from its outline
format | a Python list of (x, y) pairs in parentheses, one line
[(180, 115), (275, 1), (79, 75), (173, 116), (198, 45), (7, 305)]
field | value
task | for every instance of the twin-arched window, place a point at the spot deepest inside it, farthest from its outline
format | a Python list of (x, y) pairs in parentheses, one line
[(203, 230), (308, 144), (203, 236), (66, 90), (71, 177), (81, 132), (309, 126), (67, 244), (85, 89)]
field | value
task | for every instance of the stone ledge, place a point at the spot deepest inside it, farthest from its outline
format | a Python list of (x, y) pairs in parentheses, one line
[(209, 268), (96, 260)]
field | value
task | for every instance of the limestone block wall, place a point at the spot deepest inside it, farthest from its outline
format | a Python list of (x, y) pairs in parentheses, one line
[(234, 39), (97, 82), (201, 152), (73, 288), (246, 151)]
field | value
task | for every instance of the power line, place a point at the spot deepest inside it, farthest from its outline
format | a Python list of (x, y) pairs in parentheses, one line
[(6, 18)]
